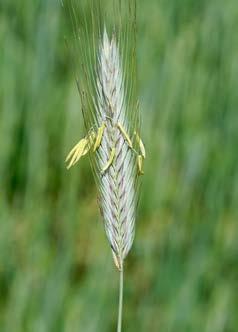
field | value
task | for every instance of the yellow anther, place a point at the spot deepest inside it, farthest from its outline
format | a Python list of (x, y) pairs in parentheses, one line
[(91, 137), (90, 140), (77, 152), (110, 160), (80, 149), (72, 151), (124, 133), (99, 136), (141, 145), (140, 164)]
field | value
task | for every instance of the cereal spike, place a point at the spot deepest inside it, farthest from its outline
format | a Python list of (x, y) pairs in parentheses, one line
[(105, 44), (118, 185)]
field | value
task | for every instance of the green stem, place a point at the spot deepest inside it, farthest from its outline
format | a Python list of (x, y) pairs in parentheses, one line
[(120, 305)]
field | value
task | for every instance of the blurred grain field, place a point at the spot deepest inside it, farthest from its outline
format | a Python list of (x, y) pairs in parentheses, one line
[(56, 271)]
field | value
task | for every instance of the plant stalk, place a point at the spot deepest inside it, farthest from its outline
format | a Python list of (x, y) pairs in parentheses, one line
[(120, 305)]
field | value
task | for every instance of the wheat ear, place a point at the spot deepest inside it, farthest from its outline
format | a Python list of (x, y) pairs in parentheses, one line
[(116, 150), (117, 183)]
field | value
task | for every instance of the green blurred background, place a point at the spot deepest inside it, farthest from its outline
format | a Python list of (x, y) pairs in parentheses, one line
[(56, 269)]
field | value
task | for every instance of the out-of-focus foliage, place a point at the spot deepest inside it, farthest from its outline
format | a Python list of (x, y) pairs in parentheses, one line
[(56, 272)]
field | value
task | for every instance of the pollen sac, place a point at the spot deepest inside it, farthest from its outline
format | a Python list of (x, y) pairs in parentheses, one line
[(140, 165), (110, 160), (125, 135), (141, 145), (80, 149), (99, 137)]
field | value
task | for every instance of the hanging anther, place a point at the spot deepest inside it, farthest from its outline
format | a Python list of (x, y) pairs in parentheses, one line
[(125, 135), (80, 149), (110, 160), (141, 145), (99, 136), (140, 164)]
